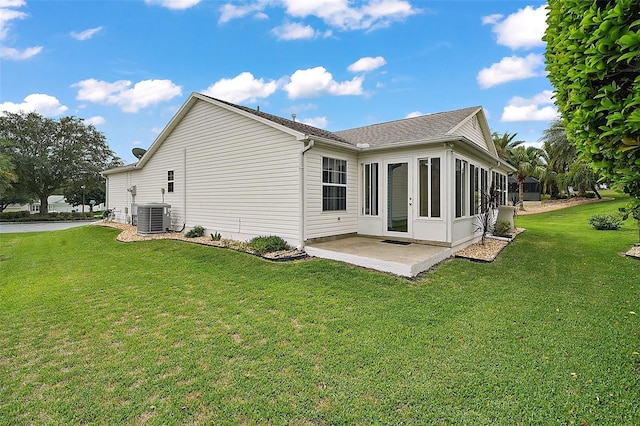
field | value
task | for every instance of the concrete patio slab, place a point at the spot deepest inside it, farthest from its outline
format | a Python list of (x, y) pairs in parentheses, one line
[(404, 260)]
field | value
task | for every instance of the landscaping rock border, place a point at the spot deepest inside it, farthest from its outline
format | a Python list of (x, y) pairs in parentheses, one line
[(130, 234), (488, 251), (634, 252)]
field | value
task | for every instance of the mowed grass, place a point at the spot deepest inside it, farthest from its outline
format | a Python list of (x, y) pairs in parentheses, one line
[(166, 332)]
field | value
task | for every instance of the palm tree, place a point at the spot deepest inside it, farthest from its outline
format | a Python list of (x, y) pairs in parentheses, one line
[(528, 162), (505, 143), (561, 153)]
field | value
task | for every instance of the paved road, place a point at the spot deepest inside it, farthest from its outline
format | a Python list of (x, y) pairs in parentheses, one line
[(6, 228)]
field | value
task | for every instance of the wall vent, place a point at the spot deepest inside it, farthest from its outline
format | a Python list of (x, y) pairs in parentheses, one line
[(154, 218)]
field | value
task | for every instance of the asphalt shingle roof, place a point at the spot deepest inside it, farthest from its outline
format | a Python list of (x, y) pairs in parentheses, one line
[(293, 125), (423, 128)]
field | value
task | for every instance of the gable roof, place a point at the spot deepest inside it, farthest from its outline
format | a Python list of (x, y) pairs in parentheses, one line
[(293, 125), (439, 127), (431, 127)]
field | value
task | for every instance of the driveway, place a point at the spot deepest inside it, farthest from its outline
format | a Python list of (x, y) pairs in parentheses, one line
[(6, 228)]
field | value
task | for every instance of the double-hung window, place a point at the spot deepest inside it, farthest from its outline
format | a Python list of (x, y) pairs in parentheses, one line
[(370, 186), (170, 181), (334, 184)]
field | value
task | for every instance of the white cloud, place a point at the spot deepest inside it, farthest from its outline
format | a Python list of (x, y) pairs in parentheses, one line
[(86, 34), (520, 30), (242, 87), (319, 122), (317, 81), (367, 64), (511, 68), (96, 120), (230, 11), (538, 108), (294, 31), (339, 14), (174, 4), (492, 19), (414, 114), (12, 3), (19, 55), (130, 99), (38, 102), (335, 13), (6, 16)]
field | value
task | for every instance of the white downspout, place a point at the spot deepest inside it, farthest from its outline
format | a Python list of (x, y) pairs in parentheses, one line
[(303, 216), (184, 188), (450, 190)]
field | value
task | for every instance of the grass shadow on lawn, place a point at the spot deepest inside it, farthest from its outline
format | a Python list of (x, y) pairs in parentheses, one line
[(163, 332)]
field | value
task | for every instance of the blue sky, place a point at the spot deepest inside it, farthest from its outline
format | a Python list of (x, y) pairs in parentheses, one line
[(127, 66)]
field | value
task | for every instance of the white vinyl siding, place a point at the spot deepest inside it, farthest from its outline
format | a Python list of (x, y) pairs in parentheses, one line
[(472, 130), (241, 178), (320, 223), (118, 198)]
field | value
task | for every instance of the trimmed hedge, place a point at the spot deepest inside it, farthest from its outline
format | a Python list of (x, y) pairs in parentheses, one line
[(24, 216)]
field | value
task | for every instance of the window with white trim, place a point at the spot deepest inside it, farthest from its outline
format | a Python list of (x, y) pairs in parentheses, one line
[(170, 181), (370, 187), (500, 184), (484, 190), (429, 187), (334, 184), (461, 187)]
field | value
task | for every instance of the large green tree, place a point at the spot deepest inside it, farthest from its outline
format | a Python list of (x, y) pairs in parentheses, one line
[(593, 61), (90, 187), (49, 154)]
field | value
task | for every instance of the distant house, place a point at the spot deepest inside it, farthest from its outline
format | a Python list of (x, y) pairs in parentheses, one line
[(57, 204), (244, 173), (532, 190)]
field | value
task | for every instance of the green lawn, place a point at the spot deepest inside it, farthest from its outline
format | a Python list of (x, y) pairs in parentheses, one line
[(166, 332)]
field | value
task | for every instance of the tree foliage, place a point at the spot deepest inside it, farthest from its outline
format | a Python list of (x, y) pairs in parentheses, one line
[(528, 162), (505, 143), (593, 60), (49, 155), (7, 176)]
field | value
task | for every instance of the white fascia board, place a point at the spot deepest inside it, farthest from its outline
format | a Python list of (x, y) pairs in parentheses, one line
[(126, 168)]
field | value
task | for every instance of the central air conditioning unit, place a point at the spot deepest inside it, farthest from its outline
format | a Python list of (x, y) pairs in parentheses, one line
[(154, 218)]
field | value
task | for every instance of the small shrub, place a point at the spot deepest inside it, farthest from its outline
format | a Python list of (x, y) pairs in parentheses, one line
[(263, 244), (590, 194), (216, 237), (605, 222), (197, 231), (502, 228)]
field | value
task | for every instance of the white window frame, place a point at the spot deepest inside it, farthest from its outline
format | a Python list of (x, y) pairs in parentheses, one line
[(428, 163), (370, 189), (171, 179), (334, 177)]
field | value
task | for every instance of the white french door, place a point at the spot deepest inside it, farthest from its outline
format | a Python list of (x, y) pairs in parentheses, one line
[(398, 198)]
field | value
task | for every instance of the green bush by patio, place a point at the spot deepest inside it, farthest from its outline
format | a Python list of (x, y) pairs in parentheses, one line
[(167, 332)]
